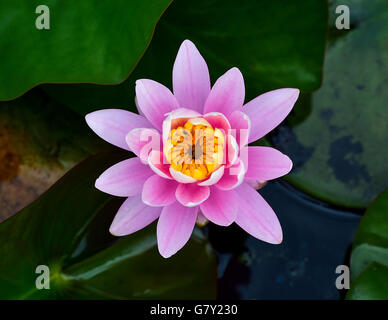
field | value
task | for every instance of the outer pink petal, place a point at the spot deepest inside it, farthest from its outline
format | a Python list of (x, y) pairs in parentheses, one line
[(191, 195), (158, 191), (221, 207), (142, 140), (138, 109), (175, 225), (113, 125), (132, 216), (232, 178), (268, 110), (155, 100), (125, 178), (227, 94), (190, 77), (256, 217), (158, 164), (240, 122), (265, 163)]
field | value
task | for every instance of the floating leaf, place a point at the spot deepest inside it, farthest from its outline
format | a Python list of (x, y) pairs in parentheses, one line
[(274, 43), (98, 41), (371, 284), (337, 136), (67, 230), (369, 260), (371, 241)]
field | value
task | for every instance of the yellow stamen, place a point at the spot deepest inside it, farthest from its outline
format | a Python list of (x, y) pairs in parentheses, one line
[(196, 149)]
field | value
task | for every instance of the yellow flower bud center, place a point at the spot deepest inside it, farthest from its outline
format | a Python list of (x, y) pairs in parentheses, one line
[(195, 149)]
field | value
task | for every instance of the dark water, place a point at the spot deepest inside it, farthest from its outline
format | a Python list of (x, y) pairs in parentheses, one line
[(317, 239)]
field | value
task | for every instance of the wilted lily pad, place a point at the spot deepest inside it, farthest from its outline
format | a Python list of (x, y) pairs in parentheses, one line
[(39, 141), (338, 136), (67, 230)]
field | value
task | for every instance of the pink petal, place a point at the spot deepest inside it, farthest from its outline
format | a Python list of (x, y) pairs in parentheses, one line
[(265, 163), (124, 179), (142, 140), (221, 207), (218, 120), (112, 125), (268, 110), (214, 177), (227, 94), (180, 177), (190, 77), (177, 118), (256, 217), (155, 100), (158, 191), (240, 122), (191, 195), (232, 178), (132, 216), (138, 109), (158, 164), (175, 225)]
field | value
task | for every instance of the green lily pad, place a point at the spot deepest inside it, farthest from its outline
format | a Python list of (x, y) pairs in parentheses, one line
[(371, 284), (97, 41), (39, 141), (365, 254), (337, 136), (274, 43), (369, 259), (371, 240), (67, 230)]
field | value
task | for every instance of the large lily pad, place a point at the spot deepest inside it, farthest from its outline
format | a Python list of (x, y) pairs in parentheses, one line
[(98, 41), (337, 136), (67, 230), (39, 141), (369, 260), (274, 43), (371, 284)]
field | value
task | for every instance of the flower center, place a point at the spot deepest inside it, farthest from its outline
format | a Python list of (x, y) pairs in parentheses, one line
[(195, 149)]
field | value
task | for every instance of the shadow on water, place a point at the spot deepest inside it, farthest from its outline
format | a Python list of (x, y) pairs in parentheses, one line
[(317, 239)]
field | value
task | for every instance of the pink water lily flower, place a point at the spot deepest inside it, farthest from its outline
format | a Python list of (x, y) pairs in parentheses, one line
[(193, 161)]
